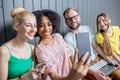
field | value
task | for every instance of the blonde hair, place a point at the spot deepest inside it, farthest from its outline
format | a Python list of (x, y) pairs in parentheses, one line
[(18, 13)]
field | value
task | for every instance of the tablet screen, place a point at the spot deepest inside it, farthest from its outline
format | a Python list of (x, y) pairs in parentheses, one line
[(83, 44)]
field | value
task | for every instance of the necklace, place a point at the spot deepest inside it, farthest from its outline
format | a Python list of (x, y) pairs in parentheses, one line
[(21, 53)]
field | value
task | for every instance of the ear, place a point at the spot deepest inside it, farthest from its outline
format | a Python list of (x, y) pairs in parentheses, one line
[(15, 27)]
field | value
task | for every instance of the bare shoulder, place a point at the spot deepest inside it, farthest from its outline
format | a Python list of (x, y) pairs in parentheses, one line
[(4, 52)]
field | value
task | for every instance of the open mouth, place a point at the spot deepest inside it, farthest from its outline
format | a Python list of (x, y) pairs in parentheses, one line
[(31, 33)]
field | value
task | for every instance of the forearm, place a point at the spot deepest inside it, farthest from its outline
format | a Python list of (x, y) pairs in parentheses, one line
[(99, 51), (54, 76), (60, 78), (26, 76), (116, 57), (71, 76)]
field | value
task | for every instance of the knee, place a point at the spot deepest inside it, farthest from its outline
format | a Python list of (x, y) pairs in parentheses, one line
[(108, 78), (115, 75)]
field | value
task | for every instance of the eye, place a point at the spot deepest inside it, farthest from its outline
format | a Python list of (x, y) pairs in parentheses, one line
[(75, 17), (99, 22), (41, 26), (104, 21), (27, 25), (49, 24), (68, 19)]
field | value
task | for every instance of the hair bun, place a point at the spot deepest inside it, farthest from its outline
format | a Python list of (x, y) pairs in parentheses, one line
[(17, 10)]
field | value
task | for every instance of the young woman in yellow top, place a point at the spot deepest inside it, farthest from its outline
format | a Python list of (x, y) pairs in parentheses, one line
[(107, 39)]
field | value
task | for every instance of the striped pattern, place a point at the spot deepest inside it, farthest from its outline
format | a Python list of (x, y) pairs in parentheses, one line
[(88, 10)]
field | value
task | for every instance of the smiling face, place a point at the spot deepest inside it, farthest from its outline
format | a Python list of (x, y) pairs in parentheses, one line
[(102, 23), (27, 29), (45, 28), (72, 19)]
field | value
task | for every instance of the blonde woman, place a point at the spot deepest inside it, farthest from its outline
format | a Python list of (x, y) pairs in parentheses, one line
[(16, 54)]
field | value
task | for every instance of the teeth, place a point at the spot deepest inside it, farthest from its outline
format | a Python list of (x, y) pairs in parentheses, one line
[(46, 33), (31, 33)]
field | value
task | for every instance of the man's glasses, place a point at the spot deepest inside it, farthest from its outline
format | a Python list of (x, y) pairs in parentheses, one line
[(73, 17)]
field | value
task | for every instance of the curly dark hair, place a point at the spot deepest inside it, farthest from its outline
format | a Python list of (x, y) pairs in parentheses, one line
[(52, 15)]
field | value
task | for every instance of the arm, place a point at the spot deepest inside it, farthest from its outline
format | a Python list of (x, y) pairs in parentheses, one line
[(33, 72), (4, 58), (54, 76), (78, 70), (116, 57), (98, 75), (100, 52)]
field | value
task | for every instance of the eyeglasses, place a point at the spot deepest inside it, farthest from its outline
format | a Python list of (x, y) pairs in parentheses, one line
[(73, 17)]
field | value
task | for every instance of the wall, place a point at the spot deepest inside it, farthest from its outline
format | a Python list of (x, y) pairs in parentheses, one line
[(88, 10)]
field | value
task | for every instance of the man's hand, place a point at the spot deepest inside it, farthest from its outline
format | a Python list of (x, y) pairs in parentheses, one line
[(79, 68)]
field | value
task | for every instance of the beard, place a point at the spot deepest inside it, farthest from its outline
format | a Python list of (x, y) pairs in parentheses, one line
[(74, 28)]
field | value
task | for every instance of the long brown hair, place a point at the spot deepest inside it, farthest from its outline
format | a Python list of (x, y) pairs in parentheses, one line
[(105, 46)]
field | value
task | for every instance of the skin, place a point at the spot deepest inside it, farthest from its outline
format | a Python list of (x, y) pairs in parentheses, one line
[(79, 68), (105, 26), (25, 31), (102, 24), (74, 25)]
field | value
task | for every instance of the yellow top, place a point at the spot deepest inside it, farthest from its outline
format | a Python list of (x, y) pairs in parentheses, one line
[(114, 39)]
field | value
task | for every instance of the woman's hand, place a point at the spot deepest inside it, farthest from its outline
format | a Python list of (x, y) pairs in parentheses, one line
[(114, 62), (99, 75), (111, 62), (79, 68), (38, 71)]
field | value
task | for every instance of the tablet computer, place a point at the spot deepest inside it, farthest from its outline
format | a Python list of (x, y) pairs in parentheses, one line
[(83, 43)]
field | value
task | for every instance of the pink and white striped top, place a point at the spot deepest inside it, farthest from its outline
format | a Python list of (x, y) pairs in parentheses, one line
[(56, 57)]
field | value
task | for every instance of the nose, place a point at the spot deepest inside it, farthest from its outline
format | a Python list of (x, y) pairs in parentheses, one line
[(73, 19), (46, 28), (102, 23), (33, 28)]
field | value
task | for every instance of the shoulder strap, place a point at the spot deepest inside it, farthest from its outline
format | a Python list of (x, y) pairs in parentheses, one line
[(31, 50), (7, 48), (30, 47)]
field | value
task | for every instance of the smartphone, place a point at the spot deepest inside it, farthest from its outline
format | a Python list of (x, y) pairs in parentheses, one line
[(44, 64)]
